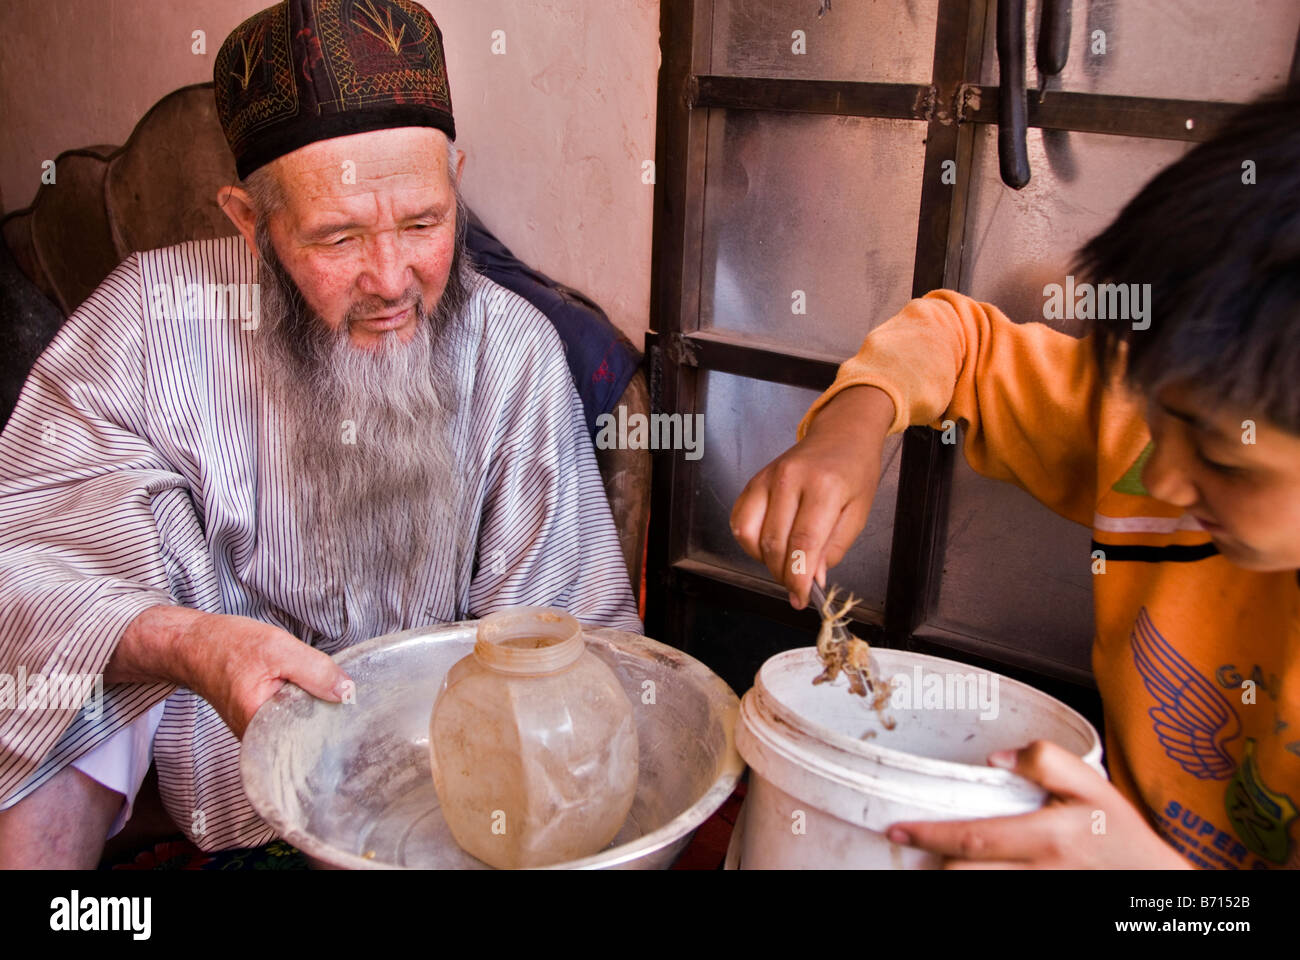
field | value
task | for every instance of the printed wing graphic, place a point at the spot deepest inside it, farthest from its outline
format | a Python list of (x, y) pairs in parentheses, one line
[(1193, 720)]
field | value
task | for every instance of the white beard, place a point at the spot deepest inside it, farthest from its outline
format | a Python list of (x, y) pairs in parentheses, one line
[(368, 442)]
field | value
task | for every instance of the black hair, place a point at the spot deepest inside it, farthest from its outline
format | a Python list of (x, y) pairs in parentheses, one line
[(1222, 256)]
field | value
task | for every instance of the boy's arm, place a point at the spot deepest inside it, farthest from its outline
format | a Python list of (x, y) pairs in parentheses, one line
[(1026, 392)]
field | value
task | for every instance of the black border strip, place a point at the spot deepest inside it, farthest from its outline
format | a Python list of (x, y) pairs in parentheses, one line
[(1141, 553)]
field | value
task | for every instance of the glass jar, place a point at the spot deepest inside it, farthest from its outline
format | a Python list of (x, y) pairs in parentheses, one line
[(533, 743)]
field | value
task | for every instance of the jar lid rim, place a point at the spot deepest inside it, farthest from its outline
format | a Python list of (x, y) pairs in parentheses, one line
[(514, 622)]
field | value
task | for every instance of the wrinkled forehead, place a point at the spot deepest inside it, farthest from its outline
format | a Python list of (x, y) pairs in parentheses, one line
[(401, 161)]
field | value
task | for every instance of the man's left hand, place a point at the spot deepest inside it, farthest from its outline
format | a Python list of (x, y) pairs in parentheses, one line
[(1086, 823)]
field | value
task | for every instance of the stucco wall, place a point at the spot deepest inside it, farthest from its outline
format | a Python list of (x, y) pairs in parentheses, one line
[(556, 128)]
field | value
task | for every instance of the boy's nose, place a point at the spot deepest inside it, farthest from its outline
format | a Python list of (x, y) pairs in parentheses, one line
[(1166, 479)]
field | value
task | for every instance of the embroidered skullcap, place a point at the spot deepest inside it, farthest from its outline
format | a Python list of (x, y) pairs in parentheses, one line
[(308, 70)]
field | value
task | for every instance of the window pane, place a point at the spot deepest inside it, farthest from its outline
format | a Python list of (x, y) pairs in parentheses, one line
[(809, 227), (1172, 49), (1018, 241), (884, 41), (1016, 574), (747, 424)]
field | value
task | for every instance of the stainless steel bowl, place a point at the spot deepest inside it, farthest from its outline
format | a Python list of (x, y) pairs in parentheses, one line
[(350, 785)]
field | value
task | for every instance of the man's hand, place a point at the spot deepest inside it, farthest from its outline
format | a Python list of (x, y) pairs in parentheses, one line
[(816, 496), (1086, 823), (234, 663)]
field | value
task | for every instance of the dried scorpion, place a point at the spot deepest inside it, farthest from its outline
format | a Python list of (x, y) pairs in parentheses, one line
[(848, 654)]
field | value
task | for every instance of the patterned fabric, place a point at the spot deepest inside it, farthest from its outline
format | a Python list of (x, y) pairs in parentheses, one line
[(601, 359), (139, 468), (180, 854), (30, 323), (308, 70)]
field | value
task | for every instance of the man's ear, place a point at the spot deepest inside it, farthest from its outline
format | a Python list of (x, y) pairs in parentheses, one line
[(460, 165), (234, 203)]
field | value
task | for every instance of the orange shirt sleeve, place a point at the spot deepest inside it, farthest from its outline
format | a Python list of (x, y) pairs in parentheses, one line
[(1027, 393)]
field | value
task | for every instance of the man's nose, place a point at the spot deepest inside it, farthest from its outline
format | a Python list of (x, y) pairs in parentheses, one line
[(1166, 478), (385, 273)]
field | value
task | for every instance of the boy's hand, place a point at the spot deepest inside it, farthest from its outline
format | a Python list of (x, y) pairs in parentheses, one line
[(816, 496), (1086, 823)]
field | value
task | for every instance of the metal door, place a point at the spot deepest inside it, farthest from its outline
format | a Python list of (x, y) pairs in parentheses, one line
[(800, 201)]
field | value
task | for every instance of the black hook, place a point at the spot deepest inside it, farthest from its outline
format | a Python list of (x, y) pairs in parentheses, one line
[(1053, 41), (1013, 105)]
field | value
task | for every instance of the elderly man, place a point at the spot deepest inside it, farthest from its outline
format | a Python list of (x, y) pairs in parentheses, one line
[(202, 507)]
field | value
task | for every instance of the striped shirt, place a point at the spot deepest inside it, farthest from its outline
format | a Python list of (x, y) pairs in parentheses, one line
[(138, 469)]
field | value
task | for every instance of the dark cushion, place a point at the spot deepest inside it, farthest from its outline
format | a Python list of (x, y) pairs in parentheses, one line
[(601, 359), (28, 322)]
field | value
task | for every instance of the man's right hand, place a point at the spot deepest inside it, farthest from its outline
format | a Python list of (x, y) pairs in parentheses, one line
[(234, 663), (817, 495)]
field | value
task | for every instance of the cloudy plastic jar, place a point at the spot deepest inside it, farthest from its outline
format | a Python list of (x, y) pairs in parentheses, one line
[(533, 743)]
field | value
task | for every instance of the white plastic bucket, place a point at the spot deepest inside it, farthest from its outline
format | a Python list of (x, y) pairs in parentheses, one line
[(821, 796)]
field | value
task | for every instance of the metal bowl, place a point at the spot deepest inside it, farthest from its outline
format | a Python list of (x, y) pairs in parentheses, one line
[(350, 786)]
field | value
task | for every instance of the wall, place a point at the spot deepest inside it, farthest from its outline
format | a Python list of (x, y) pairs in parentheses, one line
[(556, 128)]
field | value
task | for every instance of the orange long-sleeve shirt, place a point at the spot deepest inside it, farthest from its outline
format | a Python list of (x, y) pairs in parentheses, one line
[(1214, 762)]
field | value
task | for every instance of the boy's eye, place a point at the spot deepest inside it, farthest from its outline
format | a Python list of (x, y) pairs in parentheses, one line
[(1217, 467)]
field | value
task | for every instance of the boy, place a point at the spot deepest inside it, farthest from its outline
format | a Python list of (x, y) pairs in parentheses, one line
[(1177, 440)]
